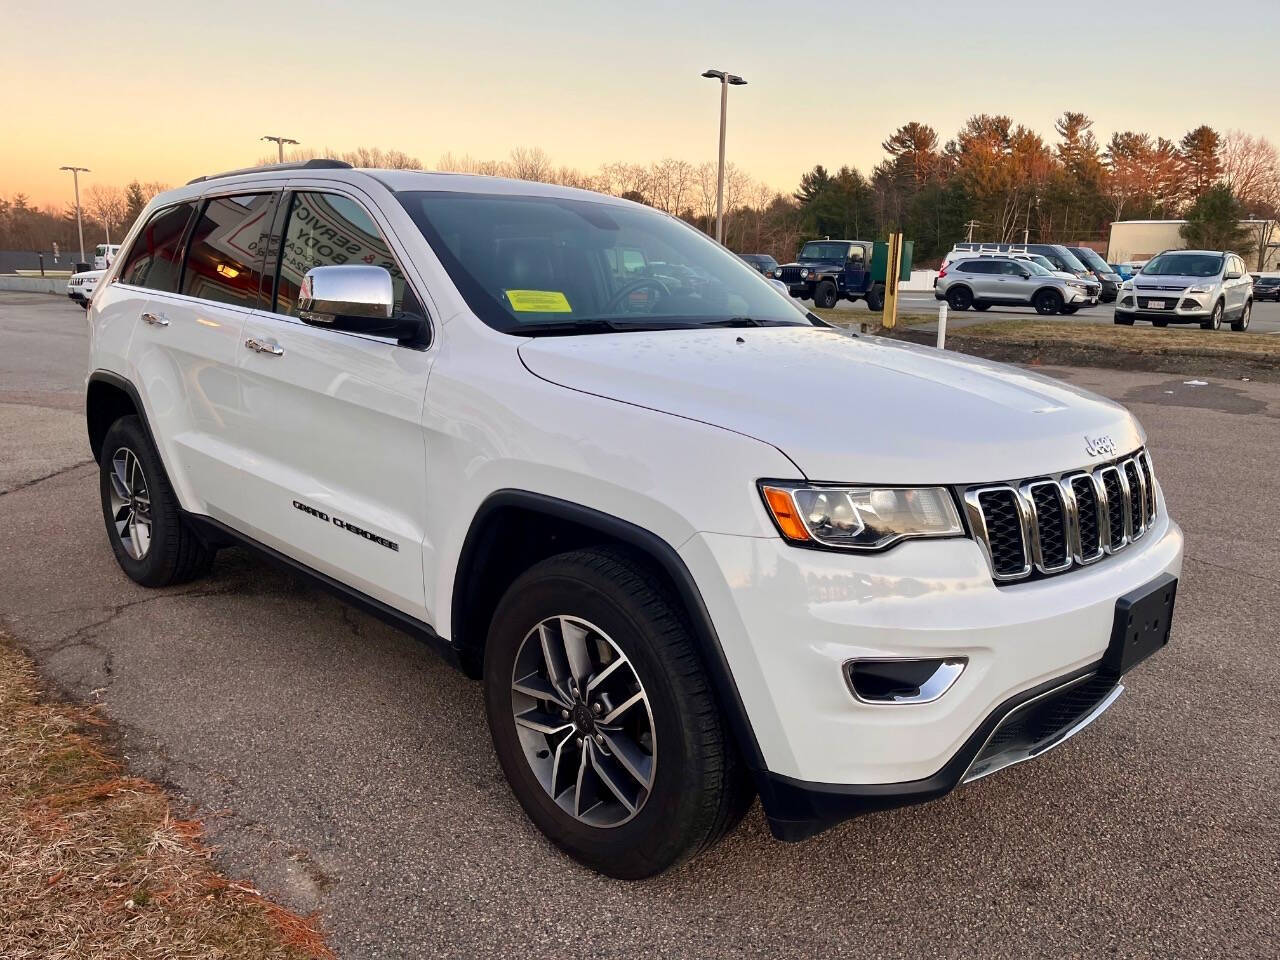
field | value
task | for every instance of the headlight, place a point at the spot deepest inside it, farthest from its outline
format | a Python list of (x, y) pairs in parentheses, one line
[(804, 272), (860, 518), (1077, 284), (1198, 288), (1127, 285), (778, 273)]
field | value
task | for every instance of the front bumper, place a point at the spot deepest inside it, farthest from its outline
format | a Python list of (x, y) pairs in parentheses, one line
[(1187, 307), (788, 620)]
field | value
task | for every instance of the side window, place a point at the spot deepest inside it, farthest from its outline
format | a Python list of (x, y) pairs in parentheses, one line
[(1012, 268), (154, 260), (977, 266), (224, 257), (325, 229)]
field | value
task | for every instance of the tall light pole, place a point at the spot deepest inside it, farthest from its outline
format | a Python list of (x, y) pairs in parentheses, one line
[(280, 142), (726, 80), (75, 179)]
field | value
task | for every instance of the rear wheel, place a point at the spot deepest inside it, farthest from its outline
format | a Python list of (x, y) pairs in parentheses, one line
[(1243, 323), (603, 719), (151, 541), (1047, 302), (1215, 319), (824, 295), (960, 298)]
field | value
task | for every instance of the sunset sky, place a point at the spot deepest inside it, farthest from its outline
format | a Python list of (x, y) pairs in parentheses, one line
[(168, 91)]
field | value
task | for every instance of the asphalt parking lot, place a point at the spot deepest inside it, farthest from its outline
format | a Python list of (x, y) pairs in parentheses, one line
[(1266, 316), (342, 768)]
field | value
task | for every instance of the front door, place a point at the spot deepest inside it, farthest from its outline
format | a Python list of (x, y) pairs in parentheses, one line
[(333, 452)]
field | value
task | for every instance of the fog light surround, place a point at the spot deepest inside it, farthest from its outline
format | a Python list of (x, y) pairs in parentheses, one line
[(902, 680)]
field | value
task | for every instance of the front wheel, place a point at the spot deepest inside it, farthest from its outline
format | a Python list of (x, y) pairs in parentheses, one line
[(1243, 323), (981, 305), (603, 719), (1070, 309), (1215, 319), (1048, 302), (1122, 320), (824, 295), (875, 298)]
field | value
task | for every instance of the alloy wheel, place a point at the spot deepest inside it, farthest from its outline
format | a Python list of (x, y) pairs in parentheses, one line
[(584, 721), (130, 503)]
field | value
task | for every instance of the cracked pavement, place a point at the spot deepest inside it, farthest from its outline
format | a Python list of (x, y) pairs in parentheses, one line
[(342, 767)]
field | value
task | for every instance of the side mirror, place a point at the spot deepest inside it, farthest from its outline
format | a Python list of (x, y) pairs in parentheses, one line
[(357, 299), (1026, 274), (1234, 276)]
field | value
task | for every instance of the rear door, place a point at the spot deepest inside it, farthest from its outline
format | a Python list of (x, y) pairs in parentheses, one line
[(333, 452), (186, 347), (982, 278)]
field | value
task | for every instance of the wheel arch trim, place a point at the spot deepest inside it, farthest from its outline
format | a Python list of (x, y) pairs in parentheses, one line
[(654, 548)]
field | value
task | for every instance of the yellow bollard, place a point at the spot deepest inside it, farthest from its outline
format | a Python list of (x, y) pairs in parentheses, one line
[(892, 268)]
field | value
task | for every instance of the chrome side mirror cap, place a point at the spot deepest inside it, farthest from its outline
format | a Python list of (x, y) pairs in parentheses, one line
[(349, 291)]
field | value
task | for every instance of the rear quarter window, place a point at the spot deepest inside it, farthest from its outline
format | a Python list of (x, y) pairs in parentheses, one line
[(155, 259)]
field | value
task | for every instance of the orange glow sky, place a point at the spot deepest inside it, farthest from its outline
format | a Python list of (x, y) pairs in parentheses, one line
[(185, 89)]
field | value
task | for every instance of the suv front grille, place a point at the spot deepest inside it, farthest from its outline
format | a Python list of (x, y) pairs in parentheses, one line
[(790, 274), (1047, 525)]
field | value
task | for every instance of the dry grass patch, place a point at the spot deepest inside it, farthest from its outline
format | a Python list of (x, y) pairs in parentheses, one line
[(846, 318), (1139, 338), (93, 864)]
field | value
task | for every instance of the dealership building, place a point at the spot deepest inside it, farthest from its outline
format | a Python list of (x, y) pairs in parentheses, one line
[(1140, 240)]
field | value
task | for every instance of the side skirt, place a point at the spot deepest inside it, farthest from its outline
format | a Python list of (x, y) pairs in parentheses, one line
[(216, 532)]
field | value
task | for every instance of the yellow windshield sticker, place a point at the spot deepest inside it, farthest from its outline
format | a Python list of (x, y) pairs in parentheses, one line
[(538, 301)]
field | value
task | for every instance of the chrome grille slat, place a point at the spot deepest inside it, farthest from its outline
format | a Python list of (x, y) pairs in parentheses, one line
[(1047, 525)]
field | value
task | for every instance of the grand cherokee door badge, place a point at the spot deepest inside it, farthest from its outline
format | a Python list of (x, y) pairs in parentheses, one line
[(349, 527)]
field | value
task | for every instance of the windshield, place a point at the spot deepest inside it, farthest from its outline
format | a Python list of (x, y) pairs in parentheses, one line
[(1184, 265), (1091, 259), (529, 265), (1040, 262), (823, 251)]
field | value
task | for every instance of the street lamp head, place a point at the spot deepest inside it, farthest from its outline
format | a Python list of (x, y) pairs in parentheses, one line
[(77, 169), (736, 81), (713, 74), (723, 77)]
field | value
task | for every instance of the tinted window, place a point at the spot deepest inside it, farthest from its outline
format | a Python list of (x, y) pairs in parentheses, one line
[(1184, 265), (823, 251), (976, 266), (325, 230), (1012, 269), (529, 262), (155, 258), (224, 256)]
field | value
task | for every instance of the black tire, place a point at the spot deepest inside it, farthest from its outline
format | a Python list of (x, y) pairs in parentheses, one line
[(175, 553), (1070, 308), (1160, 323), (1047, 302), (700, 789), (1215, 318), (1246, 314), (1122, 320), (981, 305), (824, 295), (875, 298), (959, 298)]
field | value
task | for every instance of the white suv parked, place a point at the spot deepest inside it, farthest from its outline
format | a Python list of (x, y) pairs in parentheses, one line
[(698, 545), (1188, 286)]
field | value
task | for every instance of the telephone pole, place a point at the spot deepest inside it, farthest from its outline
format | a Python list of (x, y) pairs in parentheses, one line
[(75, 179), (280, 142)]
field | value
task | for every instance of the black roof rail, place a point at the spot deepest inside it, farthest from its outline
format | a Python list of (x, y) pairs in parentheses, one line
[(318, 163)]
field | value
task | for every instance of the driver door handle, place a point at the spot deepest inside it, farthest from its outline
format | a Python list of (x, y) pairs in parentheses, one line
[(269, 347), (154, 320)]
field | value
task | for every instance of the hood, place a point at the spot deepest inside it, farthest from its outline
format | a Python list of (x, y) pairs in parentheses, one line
[(811, 264), (843, 408)]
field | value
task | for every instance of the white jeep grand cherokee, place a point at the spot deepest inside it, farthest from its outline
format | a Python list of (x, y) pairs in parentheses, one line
[(698, 545)]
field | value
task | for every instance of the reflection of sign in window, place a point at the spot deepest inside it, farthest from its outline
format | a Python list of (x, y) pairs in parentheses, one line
[(324, 230), (633, 261)]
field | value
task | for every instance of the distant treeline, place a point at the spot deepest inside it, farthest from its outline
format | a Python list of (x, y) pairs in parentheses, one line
[(994, 177)]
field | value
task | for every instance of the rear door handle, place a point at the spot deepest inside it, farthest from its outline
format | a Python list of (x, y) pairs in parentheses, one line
[(154, 320), (269, 347)]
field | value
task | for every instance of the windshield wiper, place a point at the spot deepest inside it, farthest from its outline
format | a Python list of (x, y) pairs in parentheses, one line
[(748, 322), (569, 328)]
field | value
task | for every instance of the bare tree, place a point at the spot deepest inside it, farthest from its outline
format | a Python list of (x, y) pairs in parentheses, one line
[(108, 206), (529, 163), (1251, 168)]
